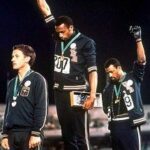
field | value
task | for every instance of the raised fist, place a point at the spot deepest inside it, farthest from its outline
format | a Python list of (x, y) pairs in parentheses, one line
[(136, 32)]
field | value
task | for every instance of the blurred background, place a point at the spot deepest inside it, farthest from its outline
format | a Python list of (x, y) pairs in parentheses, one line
[(105, 21)]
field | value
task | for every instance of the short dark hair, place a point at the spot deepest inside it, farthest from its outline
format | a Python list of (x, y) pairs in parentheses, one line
[(112, 61), (64, 19), (27, 51)]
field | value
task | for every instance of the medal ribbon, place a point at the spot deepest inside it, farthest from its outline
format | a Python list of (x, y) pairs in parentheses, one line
[(117, 92), (63, 49), (16, 86)]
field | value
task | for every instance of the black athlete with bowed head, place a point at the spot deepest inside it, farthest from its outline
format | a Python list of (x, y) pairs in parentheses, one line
[(122, 100)]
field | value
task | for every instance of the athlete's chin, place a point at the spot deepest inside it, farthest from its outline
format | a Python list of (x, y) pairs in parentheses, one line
[(114, 80), (15, 67), (64, 39)]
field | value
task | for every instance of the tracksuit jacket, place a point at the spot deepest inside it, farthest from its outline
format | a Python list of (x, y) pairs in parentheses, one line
[(30, 111), (79, 57), (131, 95)]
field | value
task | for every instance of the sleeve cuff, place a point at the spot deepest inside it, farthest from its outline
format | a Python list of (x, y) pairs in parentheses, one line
[(138, 40), (49, 18), (93, 68), (4, 136), (35, 133)]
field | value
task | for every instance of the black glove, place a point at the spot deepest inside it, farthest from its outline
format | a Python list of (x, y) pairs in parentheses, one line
[(136, 32)]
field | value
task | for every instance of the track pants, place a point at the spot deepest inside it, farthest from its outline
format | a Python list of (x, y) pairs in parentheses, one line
[(19, 140), (74, 125), (125, 137)]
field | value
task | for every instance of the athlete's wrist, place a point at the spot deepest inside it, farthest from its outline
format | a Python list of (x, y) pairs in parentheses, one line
[(93, 95)]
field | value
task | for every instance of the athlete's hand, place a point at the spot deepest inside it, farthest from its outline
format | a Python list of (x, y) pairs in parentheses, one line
[(44, 7), (34, 142), (4, 144), (136, 32), (89, 102)]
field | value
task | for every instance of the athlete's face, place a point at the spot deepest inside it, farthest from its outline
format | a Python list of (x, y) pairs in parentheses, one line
[(114, 73), (64, 32), (19, 60)]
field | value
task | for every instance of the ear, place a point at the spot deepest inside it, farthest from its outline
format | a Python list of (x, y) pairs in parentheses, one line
[(27, 59), (119, 67), (71, 27)]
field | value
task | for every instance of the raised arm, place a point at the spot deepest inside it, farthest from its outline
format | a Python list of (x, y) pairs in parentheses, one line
[(47, 14), (44, 8), (136, 32)]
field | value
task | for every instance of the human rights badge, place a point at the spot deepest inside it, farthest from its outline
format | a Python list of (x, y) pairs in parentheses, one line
[(25, 89), (73, 52)]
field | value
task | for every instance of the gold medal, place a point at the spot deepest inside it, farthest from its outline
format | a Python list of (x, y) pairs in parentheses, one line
[(62, 57), (117, 100)]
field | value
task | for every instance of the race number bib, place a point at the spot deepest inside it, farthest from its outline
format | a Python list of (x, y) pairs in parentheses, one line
[(128, 102), (62, 64)]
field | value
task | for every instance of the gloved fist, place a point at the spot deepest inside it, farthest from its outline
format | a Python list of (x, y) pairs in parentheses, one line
[(136, 32)]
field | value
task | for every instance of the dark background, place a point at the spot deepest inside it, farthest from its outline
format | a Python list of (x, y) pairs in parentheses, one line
[(106, 21)]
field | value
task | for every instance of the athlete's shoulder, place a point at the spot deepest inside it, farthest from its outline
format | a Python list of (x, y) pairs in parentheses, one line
[(37, 75), (11, 81), (86, 38)]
